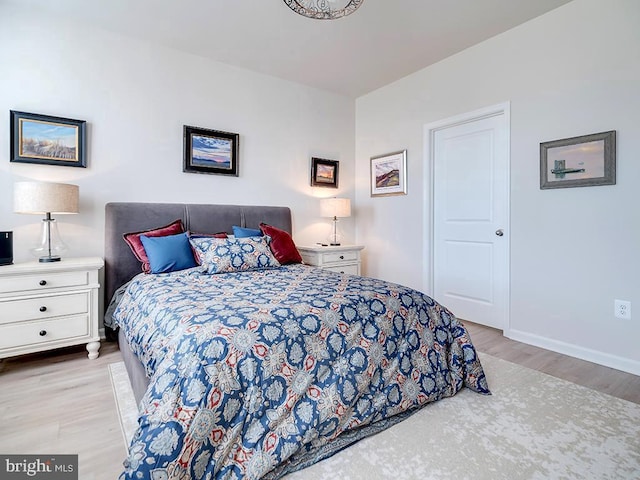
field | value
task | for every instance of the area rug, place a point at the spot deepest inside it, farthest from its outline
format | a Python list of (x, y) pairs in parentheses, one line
[(534, 426), (125, 401)]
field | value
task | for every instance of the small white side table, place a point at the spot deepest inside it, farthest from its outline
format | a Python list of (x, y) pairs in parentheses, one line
[(49, 305), (339, 258)]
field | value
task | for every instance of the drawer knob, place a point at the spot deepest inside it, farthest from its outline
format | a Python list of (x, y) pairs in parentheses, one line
[(43, 283), (43, 333), (341, 257), (43, 309)]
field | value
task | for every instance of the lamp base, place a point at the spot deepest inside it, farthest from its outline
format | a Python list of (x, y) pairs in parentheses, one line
[(335, 237), (51, 246), (49, 259)]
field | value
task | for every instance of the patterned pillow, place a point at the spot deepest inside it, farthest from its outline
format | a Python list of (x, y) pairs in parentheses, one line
[(223, 255)]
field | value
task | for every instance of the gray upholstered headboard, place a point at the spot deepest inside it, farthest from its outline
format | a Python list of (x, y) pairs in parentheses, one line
[(120, 263)]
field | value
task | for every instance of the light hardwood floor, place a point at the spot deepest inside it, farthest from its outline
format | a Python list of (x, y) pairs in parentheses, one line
[(61, 402), (603, 379)]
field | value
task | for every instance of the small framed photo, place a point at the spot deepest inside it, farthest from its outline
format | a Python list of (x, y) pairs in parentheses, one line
[(324, 173), (579, 161), (47, 140), (210, 151), (389, 174)]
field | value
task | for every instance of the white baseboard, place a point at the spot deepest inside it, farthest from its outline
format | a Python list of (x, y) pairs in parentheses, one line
[(102, 334), (606, 359)]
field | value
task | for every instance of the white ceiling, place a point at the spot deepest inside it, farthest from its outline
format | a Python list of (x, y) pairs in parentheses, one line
[(381, 42)]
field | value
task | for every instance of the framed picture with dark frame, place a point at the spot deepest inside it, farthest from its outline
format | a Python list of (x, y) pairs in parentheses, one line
[(389, 174), (47, 140), (210, 151), (583, 161), (324, 173)]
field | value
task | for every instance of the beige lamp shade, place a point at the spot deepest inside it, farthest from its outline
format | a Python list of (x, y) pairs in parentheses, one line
[(335, 207), (44, 197)]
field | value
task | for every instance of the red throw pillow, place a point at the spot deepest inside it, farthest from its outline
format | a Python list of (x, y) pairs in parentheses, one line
[(208, 235), (134, 242), (282, 245)]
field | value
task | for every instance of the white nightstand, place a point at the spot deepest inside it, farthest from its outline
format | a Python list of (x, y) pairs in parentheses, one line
[(340, 258), (49, 305)]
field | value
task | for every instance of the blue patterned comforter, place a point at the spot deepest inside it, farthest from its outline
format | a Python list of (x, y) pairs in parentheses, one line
[(254, 373)]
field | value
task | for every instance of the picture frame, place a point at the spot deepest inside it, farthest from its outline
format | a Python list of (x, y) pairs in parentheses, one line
[(47, 140), (210, 151), (324, 173), (389, 174), (583, 161)]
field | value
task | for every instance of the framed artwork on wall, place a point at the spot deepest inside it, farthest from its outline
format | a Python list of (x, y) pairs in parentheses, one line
[(389, 174), (582, 161), (47, 140), (210, 151), (324, 173)]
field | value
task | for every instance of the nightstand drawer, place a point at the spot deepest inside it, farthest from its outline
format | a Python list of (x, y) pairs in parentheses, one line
[(350, 269), (345, 256), (44, 281), (43, 307), (32, 333)]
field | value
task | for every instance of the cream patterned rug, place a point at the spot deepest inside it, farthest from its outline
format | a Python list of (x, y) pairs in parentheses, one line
[(534, 426), (125, 401)]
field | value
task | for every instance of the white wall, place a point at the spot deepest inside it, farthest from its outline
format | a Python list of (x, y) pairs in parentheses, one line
[(573, 71), (136, 97)]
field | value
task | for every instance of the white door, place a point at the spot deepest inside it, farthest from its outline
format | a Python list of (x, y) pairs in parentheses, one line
[(470, 215)]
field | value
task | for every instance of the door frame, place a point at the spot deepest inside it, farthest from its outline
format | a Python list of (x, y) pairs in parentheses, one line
[(430, 130)]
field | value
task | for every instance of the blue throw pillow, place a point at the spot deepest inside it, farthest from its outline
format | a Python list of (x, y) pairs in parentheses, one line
[(243, 232), (168, 254)]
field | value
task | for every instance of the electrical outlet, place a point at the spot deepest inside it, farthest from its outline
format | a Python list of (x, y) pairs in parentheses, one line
[(622, 309)]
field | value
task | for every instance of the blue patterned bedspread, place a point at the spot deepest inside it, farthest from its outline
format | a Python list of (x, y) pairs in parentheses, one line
[(254, 373)]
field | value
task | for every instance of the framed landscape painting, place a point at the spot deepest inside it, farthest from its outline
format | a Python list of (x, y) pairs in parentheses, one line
[(389, 174), (579, 161), (47, 140), (324, 173), (210, 151)]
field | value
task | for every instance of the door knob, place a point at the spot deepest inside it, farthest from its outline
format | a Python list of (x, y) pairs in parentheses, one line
[(499, 232)]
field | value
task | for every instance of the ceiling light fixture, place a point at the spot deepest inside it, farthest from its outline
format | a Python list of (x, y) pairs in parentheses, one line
[(324, 9)]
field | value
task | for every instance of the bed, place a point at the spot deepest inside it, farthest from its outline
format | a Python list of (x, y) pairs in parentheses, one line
[(257, 373)]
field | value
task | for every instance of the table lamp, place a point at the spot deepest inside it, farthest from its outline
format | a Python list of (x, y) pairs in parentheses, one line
[(46, 198), (336, 208)]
